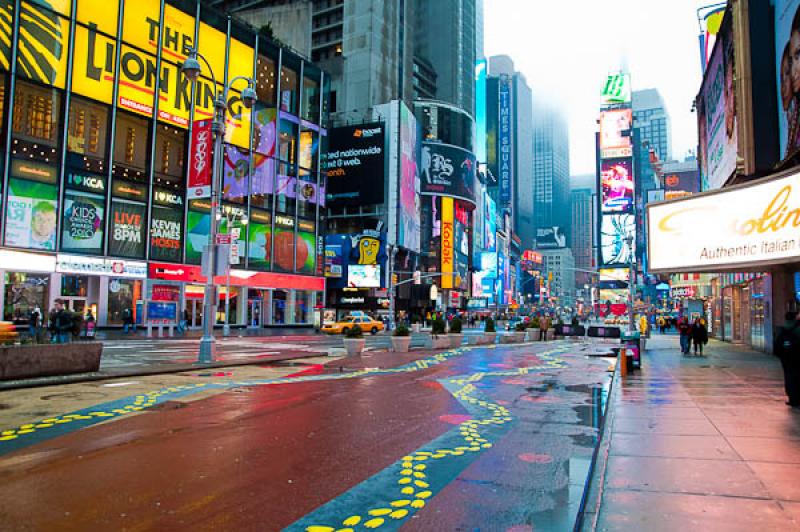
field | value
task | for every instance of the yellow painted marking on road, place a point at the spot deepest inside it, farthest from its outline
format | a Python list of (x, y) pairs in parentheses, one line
[(353, 520), (9, 437), (401, 503), (374, 523), (398, 514)]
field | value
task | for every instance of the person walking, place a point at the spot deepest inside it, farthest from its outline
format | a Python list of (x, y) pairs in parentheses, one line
[(127, 320), (89, 324), (787, 348), (685, 330), (33, 325), (699, 335), (60, 324)]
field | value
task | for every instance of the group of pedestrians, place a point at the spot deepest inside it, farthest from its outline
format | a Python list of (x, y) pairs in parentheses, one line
[(692, 334), (62, 324)]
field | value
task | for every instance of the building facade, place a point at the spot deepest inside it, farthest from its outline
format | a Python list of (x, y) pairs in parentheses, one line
[(96, 206), (558, 277), (582, 212), (551, 177)]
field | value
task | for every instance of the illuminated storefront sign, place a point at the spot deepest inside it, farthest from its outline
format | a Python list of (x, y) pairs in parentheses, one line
[(448, 251), (97, 266), (740, 226)]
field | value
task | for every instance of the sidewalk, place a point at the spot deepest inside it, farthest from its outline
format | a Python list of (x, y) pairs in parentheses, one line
[(699, 444)]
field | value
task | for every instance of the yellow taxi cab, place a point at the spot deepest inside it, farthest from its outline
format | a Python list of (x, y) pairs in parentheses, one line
[(366, 324), (8, 332)]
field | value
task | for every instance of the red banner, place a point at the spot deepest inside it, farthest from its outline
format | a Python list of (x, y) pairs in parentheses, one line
[(200, 160)]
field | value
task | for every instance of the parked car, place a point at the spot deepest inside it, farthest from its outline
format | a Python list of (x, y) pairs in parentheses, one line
[(366, 324)]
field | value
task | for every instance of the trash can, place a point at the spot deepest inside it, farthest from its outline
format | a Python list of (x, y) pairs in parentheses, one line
[(633, 345)]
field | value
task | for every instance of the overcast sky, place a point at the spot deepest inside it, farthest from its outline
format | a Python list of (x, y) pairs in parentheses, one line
[(566, 48)]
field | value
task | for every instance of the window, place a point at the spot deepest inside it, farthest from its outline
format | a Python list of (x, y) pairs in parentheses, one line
[(34, 123), (86, 135), (170, 154), (311, 99), (131, 147), (265, 80), (289, 87)]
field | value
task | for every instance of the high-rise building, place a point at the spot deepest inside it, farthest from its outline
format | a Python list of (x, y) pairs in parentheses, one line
[(653, 132), (551, 180), (580, 241), (501, 72), (445, 35), (559, 272)]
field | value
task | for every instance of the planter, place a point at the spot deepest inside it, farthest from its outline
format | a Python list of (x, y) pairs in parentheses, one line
[(400, 344), (416, 327), (551, 335), (534, 335), (519, 337), (456, 339), (488, 338), (42, 360), (508, 338), (354, 346), (440, 342)]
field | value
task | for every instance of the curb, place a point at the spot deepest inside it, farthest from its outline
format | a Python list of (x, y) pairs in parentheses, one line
[(141, 372)]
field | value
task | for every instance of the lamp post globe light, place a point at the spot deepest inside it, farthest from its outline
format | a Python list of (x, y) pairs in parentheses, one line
[(191, 69)]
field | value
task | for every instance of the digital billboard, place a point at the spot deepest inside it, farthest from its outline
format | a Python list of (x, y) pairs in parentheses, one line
[(616, 90), (447, 242), (786, 70), (490, 224), (408, 223), (447, 170), (681, 184), (550, 238), (504, 141), (617, 239), (716, 116), (480, 109), (82, 226), (615, 133), (355, 164), (616, 185), (126, 237), (364, 276), (31, 218)]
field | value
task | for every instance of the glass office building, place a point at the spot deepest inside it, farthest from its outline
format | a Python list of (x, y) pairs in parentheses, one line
[(96, 126)]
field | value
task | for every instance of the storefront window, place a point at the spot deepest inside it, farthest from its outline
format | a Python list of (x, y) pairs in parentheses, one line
[(86, 135), (74, 285), (25, 292), (757, 314), (131, 147), (279, 298), (233, 316), (302, 306), (122, 294), (170, 155)]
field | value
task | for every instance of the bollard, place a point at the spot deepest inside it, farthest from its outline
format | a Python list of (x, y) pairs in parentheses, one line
[(622, 359)]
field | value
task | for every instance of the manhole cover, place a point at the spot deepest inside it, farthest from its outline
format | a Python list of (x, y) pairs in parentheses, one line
[(74, 395)]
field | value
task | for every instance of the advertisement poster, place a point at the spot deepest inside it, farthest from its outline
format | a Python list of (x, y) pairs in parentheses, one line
[(198, 225), (448, 170), (787, 71), (337, 247), (306, 252), (284, 249), (617, 89), (165, 234), (550, 238), (31, 215), (263, 179), (681, 184), (82, 227), (127, 229), (504, 141), (259, 240), (617, 239), (490, 228), (236, 168), (307, 153), (355, 164), (364, 276), (200, 160), (616, 183), (716, 116), (448, 244), (615, 133), (408, 227)]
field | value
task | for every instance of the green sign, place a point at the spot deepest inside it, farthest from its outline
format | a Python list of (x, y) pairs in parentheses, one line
[(617, 89)]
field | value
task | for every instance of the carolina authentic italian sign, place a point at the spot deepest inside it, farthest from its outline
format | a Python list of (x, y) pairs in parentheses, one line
[(750, 225)]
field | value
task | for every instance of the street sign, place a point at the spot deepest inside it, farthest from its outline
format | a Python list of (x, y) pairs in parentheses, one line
[(223, 238)]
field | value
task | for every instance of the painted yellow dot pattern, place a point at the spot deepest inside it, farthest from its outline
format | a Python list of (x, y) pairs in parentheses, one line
[(137, 403)]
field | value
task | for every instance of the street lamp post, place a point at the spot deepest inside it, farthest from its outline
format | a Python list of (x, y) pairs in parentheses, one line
[(191, 69)]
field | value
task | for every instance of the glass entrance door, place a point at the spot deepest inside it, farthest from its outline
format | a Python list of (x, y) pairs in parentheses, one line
[(195, 308), (75, 304), (254, 313)]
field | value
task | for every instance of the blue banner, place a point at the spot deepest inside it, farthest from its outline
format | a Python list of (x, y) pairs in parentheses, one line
[(504, 145)]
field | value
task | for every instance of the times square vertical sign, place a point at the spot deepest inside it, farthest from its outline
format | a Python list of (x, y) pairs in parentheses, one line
[(504, 139)]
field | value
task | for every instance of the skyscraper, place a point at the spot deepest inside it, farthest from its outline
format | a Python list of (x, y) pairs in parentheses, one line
[(581, 234), (653, 132), (551, 187)]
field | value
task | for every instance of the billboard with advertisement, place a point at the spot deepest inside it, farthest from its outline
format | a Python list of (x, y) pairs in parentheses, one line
[(408, 223), (31, 218), (447, 170), (710, 21), (490, 224), (716, 116), (489, 264), (615, 133), (617, 239), (787, 18), (355, 164), (680, 184), (616, 185), (481, 68), (448, 242), (337, 249), (616, 90), (200, 160), (82, 226), (364, 276), (550, 238), (126, 236), (166, 227), (748, 225), (259, 241), (198, 225), (504, 140)]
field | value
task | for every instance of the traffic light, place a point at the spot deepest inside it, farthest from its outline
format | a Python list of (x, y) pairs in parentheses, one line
[(394, 279)]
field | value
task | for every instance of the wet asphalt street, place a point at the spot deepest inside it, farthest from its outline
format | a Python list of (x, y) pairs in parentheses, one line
[(478, 438)]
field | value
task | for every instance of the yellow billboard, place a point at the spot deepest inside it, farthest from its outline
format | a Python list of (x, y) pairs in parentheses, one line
[(448, 242)]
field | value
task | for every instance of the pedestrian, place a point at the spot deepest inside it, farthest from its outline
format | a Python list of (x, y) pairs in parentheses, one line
[(33, 325), (544, 324), (684, 329), (89, 324), (127, 320), (661, 324), (60, 324), (184, 321), (699, 335), (787, 348)]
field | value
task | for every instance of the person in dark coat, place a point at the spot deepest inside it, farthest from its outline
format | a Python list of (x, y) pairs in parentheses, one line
[(787, 348), (685, 330), (699, 335)]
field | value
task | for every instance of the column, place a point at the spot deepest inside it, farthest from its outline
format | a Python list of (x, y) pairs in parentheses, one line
[(290, 307)]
